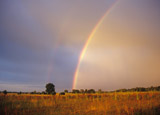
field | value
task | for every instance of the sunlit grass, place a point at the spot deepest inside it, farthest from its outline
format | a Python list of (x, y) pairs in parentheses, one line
[(124, 103)]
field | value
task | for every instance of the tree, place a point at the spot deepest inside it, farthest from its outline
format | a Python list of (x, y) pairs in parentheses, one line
[(62, 93), (81, 90), (99, 91), (91, 91), (5, 92), (43, 92), (66, 91), (50, 88), (86, 91), (19, 93), (75, 91)]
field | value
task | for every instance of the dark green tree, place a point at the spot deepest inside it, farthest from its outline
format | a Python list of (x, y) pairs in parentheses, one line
[(86, 90), (5, 92), (19, 93), (50, 88), (43, 92), (66, 91), (62, 93), (75, 91), (81, 90), (91, 91), (99, 91)]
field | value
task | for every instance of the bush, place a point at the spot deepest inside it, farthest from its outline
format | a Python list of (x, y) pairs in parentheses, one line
[(62, 93)]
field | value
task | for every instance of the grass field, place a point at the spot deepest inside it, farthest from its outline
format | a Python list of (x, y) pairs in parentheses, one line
[(122, 103)]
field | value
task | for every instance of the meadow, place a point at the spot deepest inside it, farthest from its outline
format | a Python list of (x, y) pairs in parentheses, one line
[(115, 103)]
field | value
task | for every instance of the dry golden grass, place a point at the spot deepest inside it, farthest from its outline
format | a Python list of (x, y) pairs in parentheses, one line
[(127, 103)]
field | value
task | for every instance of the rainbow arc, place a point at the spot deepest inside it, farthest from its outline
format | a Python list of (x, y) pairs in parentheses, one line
[(88, 42)]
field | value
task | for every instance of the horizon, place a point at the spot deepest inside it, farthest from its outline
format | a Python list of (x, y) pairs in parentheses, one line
[(103, 91)]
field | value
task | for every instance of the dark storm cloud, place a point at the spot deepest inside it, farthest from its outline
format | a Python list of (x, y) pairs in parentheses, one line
[(40, 41)]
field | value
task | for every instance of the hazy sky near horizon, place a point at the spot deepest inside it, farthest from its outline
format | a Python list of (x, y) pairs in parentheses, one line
[(41, 41)]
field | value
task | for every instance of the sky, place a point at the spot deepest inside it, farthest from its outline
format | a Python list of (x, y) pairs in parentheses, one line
[(41, 42)]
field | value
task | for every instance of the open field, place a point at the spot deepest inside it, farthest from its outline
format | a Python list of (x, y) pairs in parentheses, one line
[(124, 103)]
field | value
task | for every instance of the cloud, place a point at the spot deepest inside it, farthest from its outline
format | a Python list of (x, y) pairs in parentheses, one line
[(41, 42), (124, 51)]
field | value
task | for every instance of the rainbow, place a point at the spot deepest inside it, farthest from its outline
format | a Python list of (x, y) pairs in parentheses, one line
[(83, 51)]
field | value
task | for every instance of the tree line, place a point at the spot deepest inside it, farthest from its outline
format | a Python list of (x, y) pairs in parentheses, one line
[(50, 89), (157, 88), (137, 89)]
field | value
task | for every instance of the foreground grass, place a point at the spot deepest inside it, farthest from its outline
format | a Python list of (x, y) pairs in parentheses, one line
[(128, 103)]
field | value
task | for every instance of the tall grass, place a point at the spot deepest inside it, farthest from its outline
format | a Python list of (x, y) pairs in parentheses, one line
[(122, 103)]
